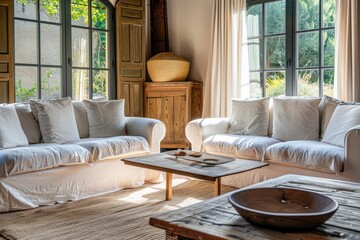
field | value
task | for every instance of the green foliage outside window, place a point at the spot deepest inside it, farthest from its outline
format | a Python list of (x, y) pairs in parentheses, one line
[(79, 10), (307, 45)]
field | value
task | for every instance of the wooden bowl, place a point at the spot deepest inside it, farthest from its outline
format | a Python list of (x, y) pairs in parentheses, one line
[(283, 208)]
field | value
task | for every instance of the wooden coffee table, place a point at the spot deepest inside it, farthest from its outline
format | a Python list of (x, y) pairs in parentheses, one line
[(216, 219), (165, 163)]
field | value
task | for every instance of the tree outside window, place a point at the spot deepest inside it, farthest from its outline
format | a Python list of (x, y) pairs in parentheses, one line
[(42, 43), (291, 57)]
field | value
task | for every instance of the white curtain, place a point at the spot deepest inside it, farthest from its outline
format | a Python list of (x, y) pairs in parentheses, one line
[(347, 50), (228, 72)]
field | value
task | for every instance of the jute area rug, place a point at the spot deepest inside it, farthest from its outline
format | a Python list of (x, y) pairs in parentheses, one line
[(120, 215)]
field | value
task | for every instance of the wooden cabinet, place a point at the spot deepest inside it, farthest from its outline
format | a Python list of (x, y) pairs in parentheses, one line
[(175, 104), (6, 52), (130, 55)]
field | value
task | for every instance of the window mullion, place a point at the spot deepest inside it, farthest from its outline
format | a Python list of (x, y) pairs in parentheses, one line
[(39, 48), (67, 49), (321, 90), (90, 51), (262, 74), (290, 43)]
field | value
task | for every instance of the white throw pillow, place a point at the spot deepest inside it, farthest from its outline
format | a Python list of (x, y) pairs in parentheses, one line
[(57, 120), (343, 119), (328, 105), (296, 118), (106, 118), (28, 123), (250, 117), (11, 133)]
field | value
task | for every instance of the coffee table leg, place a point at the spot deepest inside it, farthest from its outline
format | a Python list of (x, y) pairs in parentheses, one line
[(168, 194), (217, 187)]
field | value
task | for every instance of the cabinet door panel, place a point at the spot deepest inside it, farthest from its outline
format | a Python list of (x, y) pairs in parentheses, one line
[(167, 117), (179, 119), (154, 108), (132, 2), (131, 65), (132, 93), (6, 52), (125, 42), (136, 40), (4, 89), (196, 103), (3, 30)]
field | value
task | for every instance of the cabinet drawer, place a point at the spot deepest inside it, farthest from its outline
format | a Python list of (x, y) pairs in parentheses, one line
[(165, 94)]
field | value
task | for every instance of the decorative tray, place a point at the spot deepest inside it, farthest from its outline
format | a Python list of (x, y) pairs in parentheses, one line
[(200, 157)]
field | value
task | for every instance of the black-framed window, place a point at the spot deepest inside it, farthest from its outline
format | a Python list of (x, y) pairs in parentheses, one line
[(291, 47), (64, 48)]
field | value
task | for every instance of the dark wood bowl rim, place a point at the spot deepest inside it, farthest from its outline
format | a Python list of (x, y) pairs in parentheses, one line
[(232, 201)]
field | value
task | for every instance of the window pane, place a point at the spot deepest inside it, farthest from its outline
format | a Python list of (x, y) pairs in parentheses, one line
[(275, 84), (99, 50), (50, 83), (308, 49), (50, 44), (26, 83), (328, 80), (255, 85), (50, 11), (80, 84), (79, 13), (329, 47), (328, 13), (275, 52), (254, 20), (100, 84), (275, 17), (25, 9), (307, 14), (308, 82), (255, 54), (80, 47), (99, 15), (26, 42)]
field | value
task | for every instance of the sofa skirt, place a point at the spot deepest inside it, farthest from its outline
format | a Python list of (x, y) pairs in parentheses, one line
[(62, 184)]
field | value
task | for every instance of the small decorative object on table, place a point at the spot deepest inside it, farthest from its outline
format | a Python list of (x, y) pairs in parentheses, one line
[(200, 158), (168, 67), (283, 208)]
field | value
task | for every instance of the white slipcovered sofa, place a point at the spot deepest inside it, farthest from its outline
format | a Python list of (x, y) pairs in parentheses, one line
[(308, 136), (36, 173)]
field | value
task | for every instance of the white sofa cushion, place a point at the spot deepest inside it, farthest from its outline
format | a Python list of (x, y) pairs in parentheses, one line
[(81, 119), (345, 117), (11, 133), (296, 118), (57, 120), (307, 154), (250, 117), (328, 105), (101, 148), (40, 156), (28, 123), (106, 118), (241, 146)]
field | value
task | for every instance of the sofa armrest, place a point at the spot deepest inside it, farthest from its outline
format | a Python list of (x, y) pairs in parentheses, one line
[(352, 153), (152, 130), (198, 130)]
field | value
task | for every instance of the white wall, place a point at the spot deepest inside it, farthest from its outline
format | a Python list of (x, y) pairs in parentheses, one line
[(189, 33)]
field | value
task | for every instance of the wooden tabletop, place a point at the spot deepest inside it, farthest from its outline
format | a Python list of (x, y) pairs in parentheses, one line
[(166, 163), (217, 219)]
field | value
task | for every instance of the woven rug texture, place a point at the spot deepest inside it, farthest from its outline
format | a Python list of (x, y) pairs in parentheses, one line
[(120, 215)]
